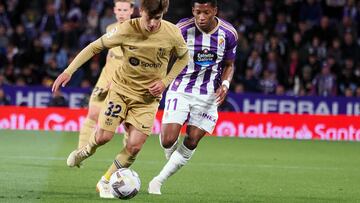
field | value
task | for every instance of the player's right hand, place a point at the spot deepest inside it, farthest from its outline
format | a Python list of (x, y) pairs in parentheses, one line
[(62, 80)]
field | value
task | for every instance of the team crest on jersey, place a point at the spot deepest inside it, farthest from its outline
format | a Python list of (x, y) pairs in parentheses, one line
[(221, 42), (205, 57), (161, 52), (111, 32)]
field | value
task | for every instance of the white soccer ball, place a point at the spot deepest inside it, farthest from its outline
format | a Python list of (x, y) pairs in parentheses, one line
[(125, 183)]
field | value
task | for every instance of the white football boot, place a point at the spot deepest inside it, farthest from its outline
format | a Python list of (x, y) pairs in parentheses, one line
[(103, 188), (77, 156), (154, 187)]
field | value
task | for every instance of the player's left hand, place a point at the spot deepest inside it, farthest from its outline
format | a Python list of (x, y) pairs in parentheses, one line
[(220, 94), (61, 80), (157, 88)]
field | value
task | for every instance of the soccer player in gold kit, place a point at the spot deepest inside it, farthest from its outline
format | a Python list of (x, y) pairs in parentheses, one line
[(123, 9), (137, 84)]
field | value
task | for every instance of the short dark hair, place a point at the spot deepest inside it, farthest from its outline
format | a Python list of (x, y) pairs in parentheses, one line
[(212, 2), (154, 7)]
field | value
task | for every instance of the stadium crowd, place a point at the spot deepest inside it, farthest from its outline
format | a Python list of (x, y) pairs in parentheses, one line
[(287, 47)]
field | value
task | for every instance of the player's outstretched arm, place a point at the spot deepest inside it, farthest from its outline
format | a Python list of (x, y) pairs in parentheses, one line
[(85, 54), (226, 78)]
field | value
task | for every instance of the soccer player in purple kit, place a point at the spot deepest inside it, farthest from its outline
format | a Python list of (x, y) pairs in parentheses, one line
[(196, 93)]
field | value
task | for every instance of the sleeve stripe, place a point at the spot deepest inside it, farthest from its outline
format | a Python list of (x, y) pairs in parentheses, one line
[(231, 29), (185, 23)]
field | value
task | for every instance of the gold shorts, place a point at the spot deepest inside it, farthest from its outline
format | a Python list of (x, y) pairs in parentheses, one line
[(118, 108)]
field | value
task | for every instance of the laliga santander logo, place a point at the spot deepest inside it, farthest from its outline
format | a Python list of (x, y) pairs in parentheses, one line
[(60, 123), (267, 130)]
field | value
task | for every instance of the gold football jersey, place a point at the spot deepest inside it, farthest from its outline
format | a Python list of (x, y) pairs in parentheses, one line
[(145, 56)]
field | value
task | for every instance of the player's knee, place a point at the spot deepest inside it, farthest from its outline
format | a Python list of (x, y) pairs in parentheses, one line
[(93, 113), (190, 143), (133, 149), (167, 141), (102, 138)]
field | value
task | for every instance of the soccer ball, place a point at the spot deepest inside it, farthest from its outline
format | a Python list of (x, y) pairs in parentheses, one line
[(125, 183)]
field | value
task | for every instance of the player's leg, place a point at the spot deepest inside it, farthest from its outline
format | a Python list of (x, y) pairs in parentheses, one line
[(109, 119), (139, 121), (124, 159), (178, 159), (96, 102), (89, 125), (176, 111), (169, 138), (202, 119)]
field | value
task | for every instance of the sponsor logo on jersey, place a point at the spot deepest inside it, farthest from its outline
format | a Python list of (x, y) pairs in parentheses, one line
[(134, 61), (205, 57)]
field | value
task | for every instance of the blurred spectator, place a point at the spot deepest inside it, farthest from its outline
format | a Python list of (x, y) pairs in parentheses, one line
[(334, 8), (292, 69), (357, 92), (4, 99), (4, 40), (4, 19), (51, 20), (92, 19), (58, 100), (324, 32), (335, 50), (268, 82), (107, 19), (67, 37), (311, 12), (350, 47), (324, 83), (347, 78), (94, 72), (250, 83), (255, 63), (29, 19), (20, 39), (303, 82)]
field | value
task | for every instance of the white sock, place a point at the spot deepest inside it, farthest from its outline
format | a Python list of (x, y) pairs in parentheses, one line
[(178, 159)]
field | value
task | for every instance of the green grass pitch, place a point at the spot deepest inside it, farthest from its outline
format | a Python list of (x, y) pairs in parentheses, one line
[(33, 169)]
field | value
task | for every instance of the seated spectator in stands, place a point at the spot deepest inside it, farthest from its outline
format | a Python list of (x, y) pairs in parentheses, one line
[(51, 20), (357, 92), (325, 31), (4, 99), (280, 90), (335, 49), (347, 78), (268, 82), (349, 92), (239, 88), (249, 82), (311, 12), (350, 48), (255, 63), (58, 100), (324, 83), (274, 44), (292, 68), (303, 82)]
